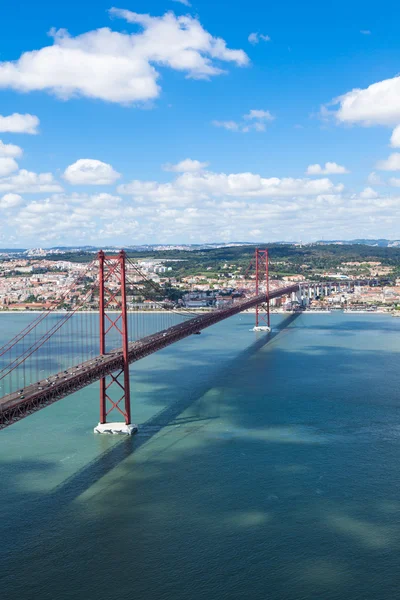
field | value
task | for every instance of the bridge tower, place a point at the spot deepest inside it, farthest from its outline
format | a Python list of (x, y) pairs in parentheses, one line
[(115, 388), (263, 321)]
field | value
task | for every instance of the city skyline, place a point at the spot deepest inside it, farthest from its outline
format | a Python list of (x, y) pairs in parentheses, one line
[(172, 123)]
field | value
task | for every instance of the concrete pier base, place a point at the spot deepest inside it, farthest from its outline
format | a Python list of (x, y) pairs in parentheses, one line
[(116, 428), (261, 328)]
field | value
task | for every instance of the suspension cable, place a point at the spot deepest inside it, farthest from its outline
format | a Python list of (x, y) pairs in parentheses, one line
[(19, 336), (182, 313)]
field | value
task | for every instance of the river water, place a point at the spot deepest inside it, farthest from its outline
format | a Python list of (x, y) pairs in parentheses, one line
[(266, 468)]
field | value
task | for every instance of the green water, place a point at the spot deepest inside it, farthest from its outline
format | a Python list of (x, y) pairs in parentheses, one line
[(265, 469)]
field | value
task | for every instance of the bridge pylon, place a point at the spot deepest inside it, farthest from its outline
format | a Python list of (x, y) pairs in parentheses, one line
[(114, 388), (263, 320)]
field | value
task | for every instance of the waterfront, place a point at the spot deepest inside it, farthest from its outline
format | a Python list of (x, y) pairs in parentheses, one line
[(261, 470)]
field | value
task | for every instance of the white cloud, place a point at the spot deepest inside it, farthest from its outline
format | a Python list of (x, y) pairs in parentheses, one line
[(102, 200), (77, 217), (255, 232), (229, 125), (7, 166), (207, 184), (257, 118), (119, 228), (392, 163), (17, 123), (194, 206), (185, 166), (226, 207), (368, 192), (87, 171), (49, 220), (260, 115), (28, 182), (202, 208), (252, 185), (374, 179), (394, 182), (10, 201), (377, 104), (365, 31), (254, 38), (120, 67), (330, 168), (10, 150), (395, 139), (184, 2)]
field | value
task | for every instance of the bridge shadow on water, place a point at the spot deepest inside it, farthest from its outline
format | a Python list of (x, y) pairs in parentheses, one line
[(108, 460), (46, 507)]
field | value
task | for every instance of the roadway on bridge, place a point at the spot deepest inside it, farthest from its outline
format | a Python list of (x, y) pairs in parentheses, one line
[(21, 403)]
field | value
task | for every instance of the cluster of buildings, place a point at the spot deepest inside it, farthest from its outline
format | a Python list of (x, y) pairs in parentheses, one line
[(36, 283), (154, 266), (358, 270), (355, 298), (369, 298)]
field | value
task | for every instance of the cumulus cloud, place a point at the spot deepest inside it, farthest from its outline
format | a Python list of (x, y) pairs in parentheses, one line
[(392, 163), (77, 217), (330, 168), (10, 201), (7, 166), (255, 38), (184, 2), (395, 139), (378, 104), (87, 171), (369, 192), (203, 207), (50, 219), (240, 185), (255, 120), (229, 125), (120, 67), (259, 115), (29, 182), (17, 123), (186, 166), (10, 150), (196, 205), (374, 179)]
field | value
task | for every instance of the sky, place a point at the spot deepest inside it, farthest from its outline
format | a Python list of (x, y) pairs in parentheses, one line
[(180, 121)]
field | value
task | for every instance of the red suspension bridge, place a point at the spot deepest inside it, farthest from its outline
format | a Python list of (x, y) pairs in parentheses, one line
[(61, 352)]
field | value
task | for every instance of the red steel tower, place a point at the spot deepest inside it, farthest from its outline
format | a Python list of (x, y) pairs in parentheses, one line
[(114, 389), (262, 270)]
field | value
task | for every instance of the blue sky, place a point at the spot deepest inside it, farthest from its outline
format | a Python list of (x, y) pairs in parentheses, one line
[(160, 122)]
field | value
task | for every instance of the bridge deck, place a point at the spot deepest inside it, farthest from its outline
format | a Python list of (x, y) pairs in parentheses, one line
[(18, 405)]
